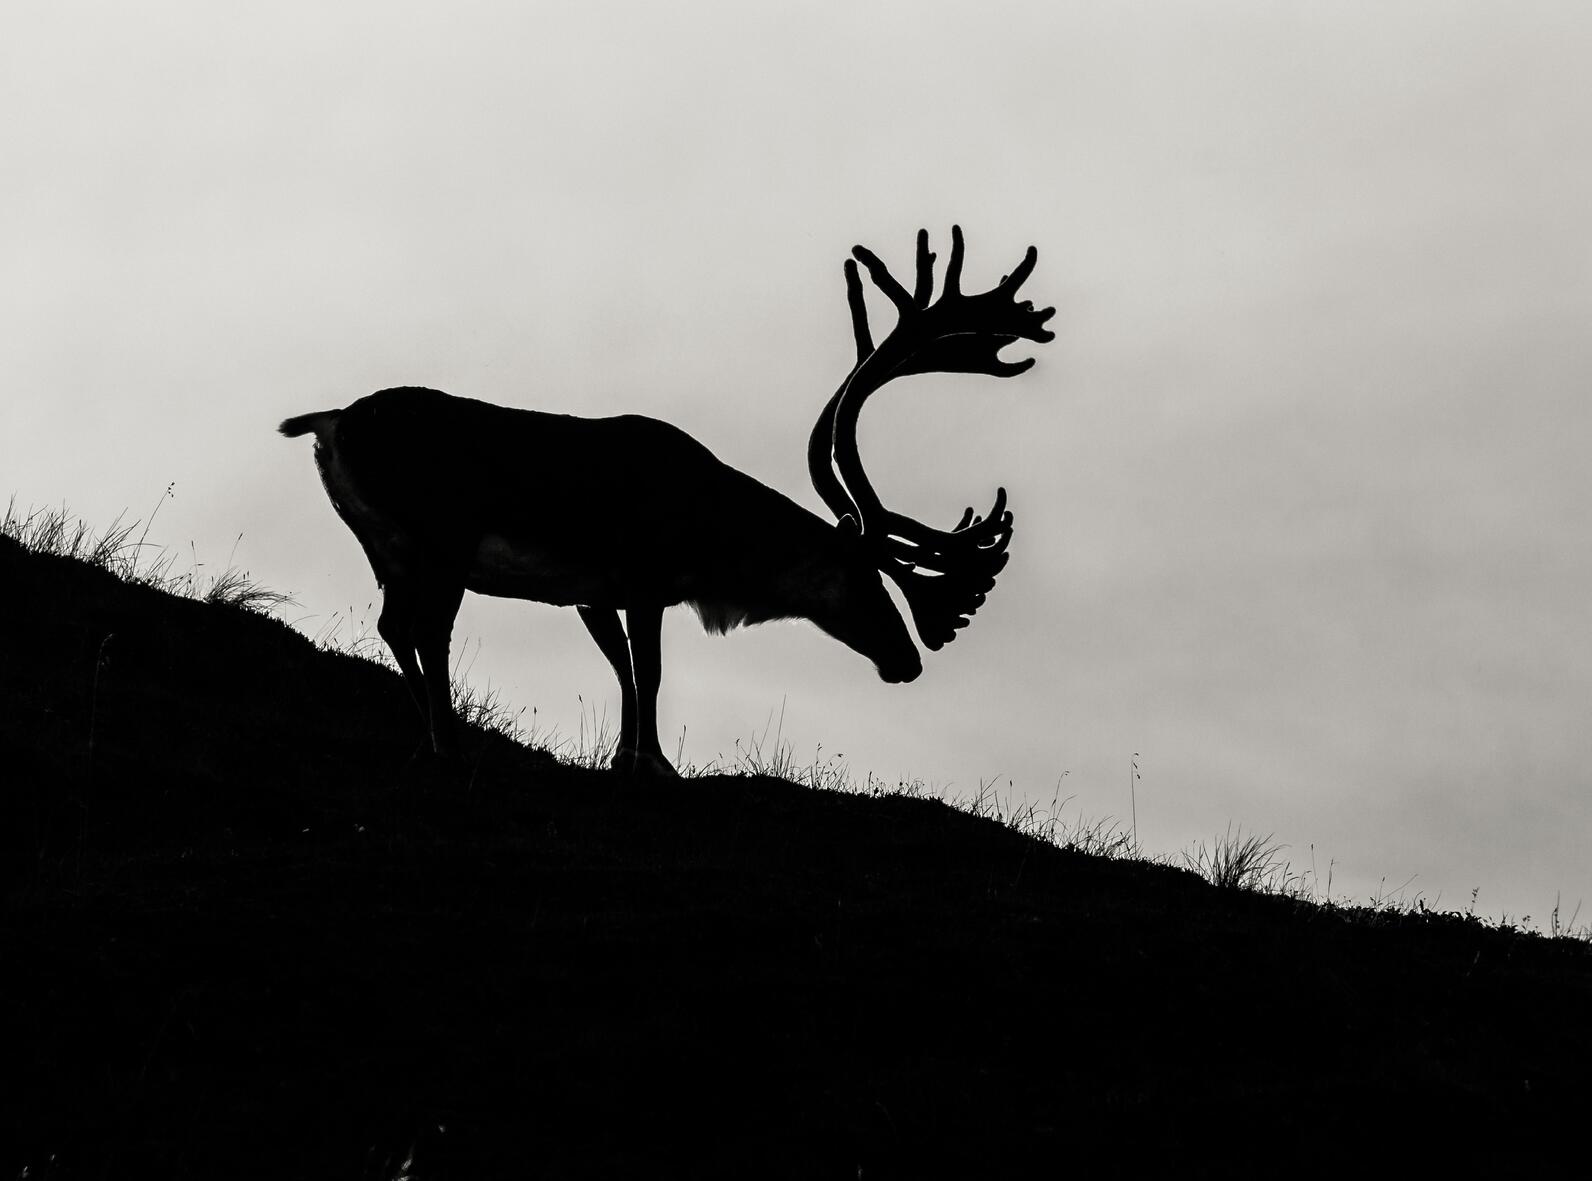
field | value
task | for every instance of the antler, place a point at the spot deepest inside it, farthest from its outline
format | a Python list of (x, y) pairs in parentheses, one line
[(944, 574)]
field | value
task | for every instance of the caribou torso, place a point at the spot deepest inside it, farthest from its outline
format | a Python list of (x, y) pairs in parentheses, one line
[(560, 522)]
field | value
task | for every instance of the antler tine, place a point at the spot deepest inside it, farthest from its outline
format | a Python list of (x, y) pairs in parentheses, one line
[(1010, 283), (953, 267), (884, 280), (859, 312), (923, 289), (987, 557), (972, 533)]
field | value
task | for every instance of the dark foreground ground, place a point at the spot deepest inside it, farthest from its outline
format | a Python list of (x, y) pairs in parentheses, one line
[(247, 932)]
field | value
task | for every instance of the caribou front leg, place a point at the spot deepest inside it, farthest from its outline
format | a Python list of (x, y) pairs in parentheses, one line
[(645, 625), (604, 626), (636, 663)]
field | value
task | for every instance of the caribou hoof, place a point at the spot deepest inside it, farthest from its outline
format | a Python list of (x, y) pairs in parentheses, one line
[(642, 764)]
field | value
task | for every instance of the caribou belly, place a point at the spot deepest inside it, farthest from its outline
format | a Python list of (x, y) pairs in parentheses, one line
[(520, 571)]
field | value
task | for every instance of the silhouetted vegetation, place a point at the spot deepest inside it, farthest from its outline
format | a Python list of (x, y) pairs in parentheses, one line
[(251, 929)]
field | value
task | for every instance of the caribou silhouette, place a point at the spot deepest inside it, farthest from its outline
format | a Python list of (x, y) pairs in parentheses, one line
[(631, 514)]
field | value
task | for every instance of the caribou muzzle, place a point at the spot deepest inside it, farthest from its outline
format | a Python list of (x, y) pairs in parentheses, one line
[(901, 674)]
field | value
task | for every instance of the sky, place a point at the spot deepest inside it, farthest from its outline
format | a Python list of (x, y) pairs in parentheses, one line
[(1301, 509)]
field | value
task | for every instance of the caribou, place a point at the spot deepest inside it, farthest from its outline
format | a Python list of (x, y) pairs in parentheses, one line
[(630, 514)]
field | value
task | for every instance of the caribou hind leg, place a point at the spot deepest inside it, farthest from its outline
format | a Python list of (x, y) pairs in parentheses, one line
[(417, 624), (433, 634), (395, 625)]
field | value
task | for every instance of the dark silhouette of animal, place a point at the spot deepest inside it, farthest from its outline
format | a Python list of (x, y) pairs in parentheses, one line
[(631, 514)]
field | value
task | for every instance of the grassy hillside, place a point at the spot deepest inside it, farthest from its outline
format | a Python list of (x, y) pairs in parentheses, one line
[(250, 931)]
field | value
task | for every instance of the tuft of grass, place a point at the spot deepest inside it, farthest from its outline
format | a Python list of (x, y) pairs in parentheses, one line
[(486, 710), (593, 745), (768, 754), (1104, 837), (361, 641), (1561, 929), (57, 533), (1100, 838), (1234, 861), (235, 588), (772, 757)]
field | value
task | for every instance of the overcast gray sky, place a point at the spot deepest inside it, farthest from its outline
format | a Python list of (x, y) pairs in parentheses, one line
[(1301, 500)]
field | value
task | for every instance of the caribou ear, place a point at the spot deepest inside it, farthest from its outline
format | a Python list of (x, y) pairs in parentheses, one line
[(848, 527)]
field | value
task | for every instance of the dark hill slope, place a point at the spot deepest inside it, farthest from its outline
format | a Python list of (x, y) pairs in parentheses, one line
[(248, 932)]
